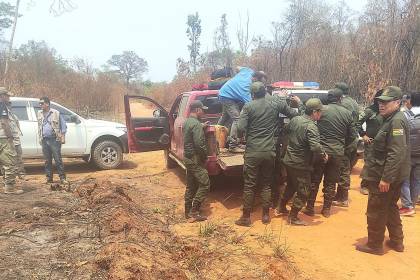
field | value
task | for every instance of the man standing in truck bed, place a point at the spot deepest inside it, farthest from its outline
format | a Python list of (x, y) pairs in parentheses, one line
[(195, 155)]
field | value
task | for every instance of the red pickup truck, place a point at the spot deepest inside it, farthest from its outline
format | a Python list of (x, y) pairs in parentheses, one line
[(164, 131)]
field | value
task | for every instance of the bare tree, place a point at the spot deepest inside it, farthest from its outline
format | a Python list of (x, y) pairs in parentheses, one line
[(59, 7), (129, 66), (243, 35), (194, 32), (12, 36)]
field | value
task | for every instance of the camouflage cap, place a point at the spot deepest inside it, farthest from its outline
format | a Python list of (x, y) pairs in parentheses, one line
[(343, 86), (390, 93), (313, 104), (4, 91), (257, 87)]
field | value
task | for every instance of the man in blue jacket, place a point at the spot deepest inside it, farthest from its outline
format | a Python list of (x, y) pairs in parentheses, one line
[(233, 95)]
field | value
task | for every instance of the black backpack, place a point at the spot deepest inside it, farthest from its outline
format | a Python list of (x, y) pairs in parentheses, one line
[(225, 72)]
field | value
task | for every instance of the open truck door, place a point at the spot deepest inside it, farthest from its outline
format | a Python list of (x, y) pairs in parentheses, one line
[(147, 124)]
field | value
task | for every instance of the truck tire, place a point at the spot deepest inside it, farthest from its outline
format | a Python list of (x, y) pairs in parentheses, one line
[(169, 162), (107, 154)]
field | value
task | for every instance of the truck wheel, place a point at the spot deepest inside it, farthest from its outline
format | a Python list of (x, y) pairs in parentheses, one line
[(169, 162), (107, 155)]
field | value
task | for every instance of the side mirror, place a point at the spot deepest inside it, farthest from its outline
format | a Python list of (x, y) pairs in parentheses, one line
[(157, 113), (75, 119)]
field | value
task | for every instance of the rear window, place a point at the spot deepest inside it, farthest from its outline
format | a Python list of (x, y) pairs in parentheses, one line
[(19, 108), (212, 102)]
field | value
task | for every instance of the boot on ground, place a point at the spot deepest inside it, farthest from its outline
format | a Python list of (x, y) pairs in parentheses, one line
[(366, 249), (266, 216), (245, 219), (309, 209), (396, 246), (293, 218), (326, 212), (195, 215)]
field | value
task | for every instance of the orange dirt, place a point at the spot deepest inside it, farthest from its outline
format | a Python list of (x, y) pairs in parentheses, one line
[(128, 224)]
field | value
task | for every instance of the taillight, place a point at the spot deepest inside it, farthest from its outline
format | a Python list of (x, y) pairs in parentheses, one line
[(212, 148)]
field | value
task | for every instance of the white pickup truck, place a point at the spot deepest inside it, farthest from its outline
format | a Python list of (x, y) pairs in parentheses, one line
[(100, 142)]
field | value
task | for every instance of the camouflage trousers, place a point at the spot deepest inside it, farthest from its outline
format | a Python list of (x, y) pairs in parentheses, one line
[(19, 161), (299, 182), (382, 212), (258, 169), (8, 162), (345, 172), (198, 183), (330, 170)]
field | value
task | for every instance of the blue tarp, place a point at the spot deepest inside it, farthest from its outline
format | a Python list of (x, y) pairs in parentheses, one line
[(238, 87)]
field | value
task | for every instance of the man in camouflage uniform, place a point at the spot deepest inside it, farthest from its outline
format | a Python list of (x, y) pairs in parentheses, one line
[(385, 172), (257, 121), (7, 148), (16, 131), (195, 156), (350, 152), (373, 121), (336, 130), (302, 152)]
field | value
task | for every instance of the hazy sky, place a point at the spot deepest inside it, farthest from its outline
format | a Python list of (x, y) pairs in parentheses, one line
[(155, 29)]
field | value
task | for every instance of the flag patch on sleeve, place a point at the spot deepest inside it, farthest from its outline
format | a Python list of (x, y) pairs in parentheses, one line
[(397, 132)]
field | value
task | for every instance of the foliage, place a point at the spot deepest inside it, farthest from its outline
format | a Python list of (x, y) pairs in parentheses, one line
[(7, 13)]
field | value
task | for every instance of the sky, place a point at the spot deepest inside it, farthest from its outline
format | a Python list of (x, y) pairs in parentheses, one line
[(155, 30)]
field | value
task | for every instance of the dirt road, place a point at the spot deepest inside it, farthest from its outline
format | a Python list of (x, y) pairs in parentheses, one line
[(128, 224)]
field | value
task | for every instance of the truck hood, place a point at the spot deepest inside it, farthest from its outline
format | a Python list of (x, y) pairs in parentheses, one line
[(100, 123)]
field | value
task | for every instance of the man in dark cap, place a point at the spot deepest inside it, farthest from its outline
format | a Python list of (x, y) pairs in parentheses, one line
[(385, 172), (257, 121), (337, 131), (195, 156), (350, 152), (303, 150)]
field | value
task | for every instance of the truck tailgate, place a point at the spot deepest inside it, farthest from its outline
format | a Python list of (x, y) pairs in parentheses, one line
[(228, 160)]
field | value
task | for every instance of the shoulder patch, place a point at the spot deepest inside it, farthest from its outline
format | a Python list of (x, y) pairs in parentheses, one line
[(397, 132)]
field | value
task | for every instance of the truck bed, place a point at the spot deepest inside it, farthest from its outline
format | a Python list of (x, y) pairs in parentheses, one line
[(229, 160)]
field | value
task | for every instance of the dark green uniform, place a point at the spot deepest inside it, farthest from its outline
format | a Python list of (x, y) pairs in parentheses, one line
[(389, 162), (303, 148), (337, 131), (258, 121), (195, 155), (373, 122), (350, 152)]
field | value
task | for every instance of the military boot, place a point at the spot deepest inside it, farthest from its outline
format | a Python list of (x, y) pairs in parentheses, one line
[(245, 219), (195, 215), (396, 246), (326, 212), (309, 209), (366, 249), (266, 216), (281, 209), (293, 218), (344, 199)]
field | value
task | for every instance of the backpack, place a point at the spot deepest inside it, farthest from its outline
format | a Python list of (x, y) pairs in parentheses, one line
[(415, 136), (225, 72)]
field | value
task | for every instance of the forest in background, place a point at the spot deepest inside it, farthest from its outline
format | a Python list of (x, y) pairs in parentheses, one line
[(313, 41)]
